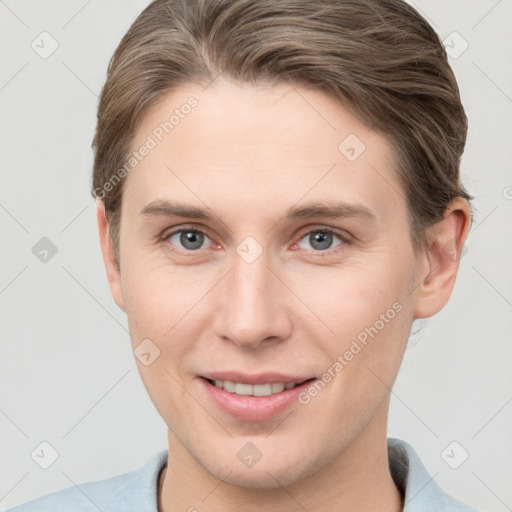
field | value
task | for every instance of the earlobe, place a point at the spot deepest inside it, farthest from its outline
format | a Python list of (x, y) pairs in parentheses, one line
[(441, 259), (109, 256)]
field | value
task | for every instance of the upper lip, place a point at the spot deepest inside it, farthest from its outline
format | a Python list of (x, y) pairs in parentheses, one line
[(259, 378)]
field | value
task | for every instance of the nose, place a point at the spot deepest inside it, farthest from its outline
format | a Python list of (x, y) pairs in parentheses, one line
[(253, 304)]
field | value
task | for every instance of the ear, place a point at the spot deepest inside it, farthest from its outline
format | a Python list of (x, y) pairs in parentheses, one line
[(109, 256), (440, 261)]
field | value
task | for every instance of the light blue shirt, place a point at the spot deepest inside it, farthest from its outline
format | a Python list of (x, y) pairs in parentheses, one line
[(137, 491)]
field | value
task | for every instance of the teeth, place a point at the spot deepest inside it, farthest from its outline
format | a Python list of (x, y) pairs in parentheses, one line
[(228, 386), (278, 387), (253, 390), (243, 389)]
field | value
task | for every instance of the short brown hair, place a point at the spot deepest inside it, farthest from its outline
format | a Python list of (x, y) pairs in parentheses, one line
[(379, 58)]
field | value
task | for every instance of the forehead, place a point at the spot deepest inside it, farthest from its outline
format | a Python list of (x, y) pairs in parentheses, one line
[(263, 148)]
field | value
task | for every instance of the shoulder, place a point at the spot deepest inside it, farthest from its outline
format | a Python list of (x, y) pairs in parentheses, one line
[(136, 490), (421, 492)]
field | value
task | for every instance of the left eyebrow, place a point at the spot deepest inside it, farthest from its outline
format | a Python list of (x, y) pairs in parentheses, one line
[(329, 210)]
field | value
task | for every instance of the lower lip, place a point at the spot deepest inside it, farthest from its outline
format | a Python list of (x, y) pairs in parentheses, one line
[(254, 408)]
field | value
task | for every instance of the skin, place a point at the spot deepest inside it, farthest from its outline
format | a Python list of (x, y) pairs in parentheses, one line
[(249, 154)]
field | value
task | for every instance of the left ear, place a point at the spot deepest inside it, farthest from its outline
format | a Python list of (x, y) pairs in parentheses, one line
[(441, 259)]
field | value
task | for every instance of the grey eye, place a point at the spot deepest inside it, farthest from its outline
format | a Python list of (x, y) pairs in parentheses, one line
[(321, 239), (189, 239)]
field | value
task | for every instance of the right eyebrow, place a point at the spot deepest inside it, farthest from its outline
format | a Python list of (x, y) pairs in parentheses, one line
[(164, 208)]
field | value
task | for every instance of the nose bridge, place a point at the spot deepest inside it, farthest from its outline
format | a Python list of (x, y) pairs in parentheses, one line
[(251, 309)]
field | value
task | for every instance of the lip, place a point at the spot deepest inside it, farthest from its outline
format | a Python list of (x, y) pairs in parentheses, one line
[(253, 408), (260, 378)]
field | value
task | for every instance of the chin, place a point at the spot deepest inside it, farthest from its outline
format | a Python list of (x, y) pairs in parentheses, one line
[(265, 477), (276, 467)]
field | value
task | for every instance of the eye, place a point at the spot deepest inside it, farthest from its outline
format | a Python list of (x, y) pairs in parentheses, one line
[(193, 239), (322, 239), (189, 239)]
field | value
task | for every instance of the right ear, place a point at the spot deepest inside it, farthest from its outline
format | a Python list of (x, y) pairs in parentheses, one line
[(109, 255)]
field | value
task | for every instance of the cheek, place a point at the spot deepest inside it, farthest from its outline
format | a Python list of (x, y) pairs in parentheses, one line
[(157, 301), (369, 312), (357, 295), (164, 304)]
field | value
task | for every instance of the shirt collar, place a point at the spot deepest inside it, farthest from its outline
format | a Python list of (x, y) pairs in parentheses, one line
[(421, 493)]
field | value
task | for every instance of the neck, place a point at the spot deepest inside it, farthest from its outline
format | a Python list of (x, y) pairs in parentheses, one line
[(357, 479)]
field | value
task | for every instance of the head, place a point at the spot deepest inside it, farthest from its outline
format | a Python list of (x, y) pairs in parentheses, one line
[(278, 193)]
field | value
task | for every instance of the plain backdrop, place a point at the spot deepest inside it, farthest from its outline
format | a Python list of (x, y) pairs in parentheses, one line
[(68, 376)]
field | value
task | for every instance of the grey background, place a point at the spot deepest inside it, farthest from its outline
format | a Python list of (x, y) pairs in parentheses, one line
[(67, 372)]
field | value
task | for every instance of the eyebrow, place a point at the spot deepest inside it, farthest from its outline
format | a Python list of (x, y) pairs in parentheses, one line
[(327, 210)]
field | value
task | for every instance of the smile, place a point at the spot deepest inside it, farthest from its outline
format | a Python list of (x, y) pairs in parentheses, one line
[(240, 388), (256, 401)]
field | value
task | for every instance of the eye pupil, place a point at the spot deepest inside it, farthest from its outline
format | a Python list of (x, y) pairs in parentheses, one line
[(323, 238), (191, 239)]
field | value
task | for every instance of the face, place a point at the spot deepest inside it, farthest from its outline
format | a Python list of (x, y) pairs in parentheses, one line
[(265, 243)]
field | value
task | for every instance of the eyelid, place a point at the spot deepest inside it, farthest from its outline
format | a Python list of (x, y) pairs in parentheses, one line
[(344, 235), (167, 232)]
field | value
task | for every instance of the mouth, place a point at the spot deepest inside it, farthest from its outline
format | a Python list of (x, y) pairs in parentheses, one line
[(244, 389), (254, 402)]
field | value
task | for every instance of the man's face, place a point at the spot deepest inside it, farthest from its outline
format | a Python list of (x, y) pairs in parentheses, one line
[(266, 296)]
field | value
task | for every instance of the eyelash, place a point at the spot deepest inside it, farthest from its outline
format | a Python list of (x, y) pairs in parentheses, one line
[(345, 239)]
